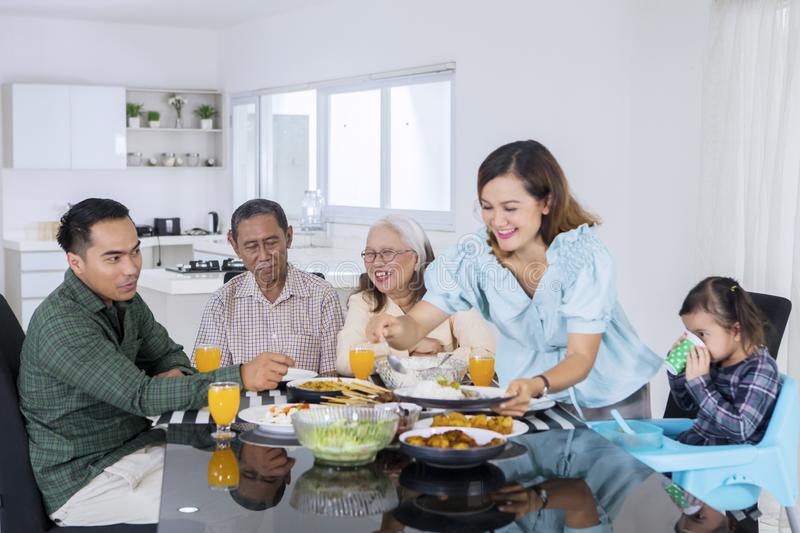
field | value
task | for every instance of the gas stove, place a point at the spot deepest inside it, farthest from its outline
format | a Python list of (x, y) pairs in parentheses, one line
[(194, 267)]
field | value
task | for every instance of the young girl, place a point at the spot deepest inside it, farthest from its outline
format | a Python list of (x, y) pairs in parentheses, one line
[(732, 380)]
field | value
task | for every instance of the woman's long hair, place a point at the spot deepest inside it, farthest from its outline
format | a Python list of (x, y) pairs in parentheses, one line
[(543, 178)]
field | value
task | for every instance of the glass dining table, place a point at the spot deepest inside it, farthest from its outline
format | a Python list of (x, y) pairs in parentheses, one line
[(560, 476)]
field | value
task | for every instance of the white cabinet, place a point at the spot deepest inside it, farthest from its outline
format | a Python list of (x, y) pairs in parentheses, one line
[(66, 127), (98, 127), (40, 127)]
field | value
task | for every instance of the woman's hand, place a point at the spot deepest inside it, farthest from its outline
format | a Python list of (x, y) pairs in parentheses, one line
[(427, 346), (514, 498), (698, 362), (382, 327), (523, 390)]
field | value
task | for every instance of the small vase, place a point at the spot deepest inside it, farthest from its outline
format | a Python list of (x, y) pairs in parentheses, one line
[(178, 123)]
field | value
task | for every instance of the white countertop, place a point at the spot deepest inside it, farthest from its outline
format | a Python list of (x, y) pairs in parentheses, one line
[(28, 245), (174, 283)]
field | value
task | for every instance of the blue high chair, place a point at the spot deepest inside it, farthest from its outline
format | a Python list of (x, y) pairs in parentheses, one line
[(731, 477)]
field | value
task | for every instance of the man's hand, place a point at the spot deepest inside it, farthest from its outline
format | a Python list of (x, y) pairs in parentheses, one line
[(265, 371), (171, 373), (427, 346), (698, 362)]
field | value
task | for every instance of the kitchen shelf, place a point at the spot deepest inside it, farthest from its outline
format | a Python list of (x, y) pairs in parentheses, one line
[(176, 130), (184, 167), (208, 143)]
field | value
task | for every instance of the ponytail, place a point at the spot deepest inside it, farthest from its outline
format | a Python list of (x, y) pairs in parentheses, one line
[(730, 304)]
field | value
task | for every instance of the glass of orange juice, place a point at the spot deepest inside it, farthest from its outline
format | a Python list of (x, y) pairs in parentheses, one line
[(206, 357), (223, 468), (481, 367), (362, 360), (223, 402)]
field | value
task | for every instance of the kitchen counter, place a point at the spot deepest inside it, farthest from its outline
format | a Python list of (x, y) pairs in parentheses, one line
[(29, 245)]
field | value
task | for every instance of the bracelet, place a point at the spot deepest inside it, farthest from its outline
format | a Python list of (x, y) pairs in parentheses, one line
[(546, 384), (542, 493)]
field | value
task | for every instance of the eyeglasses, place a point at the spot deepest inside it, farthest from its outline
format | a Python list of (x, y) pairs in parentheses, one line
[(386, 255)]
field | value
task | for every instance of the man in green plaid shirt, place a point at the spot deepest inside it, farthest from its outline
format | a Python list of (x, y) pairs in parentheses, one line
[(94, 364)]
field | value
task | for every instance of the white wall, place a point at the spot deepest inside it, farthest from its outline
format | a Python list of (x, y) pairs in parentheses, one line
[(66, 51), (612, 88)]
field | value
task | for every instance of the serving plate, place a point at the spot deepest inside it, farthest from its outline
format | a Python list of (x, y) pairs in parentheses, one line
[(267, 419), (314, 396), (448, 457), (298, 373), (486, 397), (518, 427)]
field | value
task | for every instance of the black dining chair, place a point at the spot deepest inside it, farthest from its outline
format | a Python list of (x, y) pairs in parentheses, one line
[(21, 508), (776, 309)]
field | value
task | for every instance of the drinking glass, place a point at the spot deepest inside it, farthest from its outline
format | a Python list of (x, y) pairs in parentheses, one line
[(223, 402), (481, 367), (362, 360), (206, 357), (223, 468)]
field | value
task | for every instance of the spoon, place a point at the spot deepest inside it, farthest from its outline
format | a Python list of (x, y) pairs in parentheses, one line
[(396, 364), (444, 359), (621, 421)]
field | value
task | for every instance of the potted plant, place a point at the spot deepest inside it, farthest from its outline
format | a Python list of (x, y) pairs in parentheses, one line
[(133, 111), (206, 114), (154, 119)]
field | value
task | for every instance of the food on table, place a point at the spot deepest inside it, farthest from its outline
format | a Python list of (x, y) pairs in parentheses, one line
[(501, 424), (454, 439), (441, 389), (282, 414), (324, 385), (345, 435)]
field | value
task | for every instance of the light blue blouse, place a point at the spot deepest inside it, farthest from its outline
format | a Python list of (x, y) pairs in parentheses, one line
[(576, 294)]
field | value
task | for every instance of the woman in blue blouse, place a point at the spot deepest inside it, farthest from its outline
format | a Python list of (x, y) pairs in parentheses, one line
[(543, 278)]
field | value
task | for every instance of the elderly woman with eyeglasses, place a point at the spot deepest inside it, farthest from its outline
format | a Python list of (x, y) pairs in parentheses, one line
[(396, 255)]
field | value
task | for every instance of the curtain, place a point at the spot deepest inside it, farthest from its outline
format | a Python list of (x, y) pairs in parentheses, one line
[(749, 194)]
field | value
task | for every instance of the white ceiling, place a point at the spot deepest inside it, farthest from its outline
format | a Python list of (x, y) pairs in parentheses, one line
[(211, 14)]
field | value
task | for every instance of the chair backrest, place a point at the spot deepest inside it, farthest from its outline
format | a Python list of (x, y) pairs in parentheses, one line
[(776, 309), (230, 275), (784, 426), (21, 508)]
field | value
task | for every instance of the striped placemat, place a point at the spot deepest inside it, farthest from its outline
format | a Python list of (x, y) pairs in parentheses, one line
[(554, 418)]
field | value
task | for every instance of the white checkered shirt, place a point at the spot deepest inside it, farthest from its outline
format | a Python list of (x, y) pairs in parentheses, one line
[(306, 318)]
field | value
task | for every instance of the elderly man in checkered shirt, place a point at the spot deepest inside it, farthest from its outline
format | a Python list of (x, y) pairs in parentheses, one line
[(273, 307)]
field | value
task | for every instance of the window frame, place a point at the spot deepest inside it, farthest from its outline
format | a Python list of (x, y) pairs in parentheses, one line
[(430, 220)]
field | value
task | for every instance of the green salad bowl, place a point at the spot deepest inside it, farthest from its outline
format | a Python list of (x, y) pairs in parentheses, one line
[(345, 435)]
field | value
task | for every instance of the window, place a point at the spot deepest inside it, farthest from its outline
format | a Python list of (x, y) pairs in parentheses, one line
[(373, 145)]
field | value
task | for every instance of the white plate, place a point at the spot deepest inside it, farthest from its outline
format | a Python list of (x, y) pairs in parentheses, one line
[(540, 404), (535, 404), (298, 373), (484, 397), (518, 427), (261, 415)]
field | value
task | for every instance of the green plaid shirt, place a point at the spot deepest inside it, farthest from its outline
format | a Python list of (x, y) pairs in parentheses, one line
[(86, 385)]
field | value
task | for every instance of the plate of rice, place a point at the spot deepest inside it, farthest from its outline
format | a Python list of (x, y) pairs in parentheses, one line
[(451, 395)]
